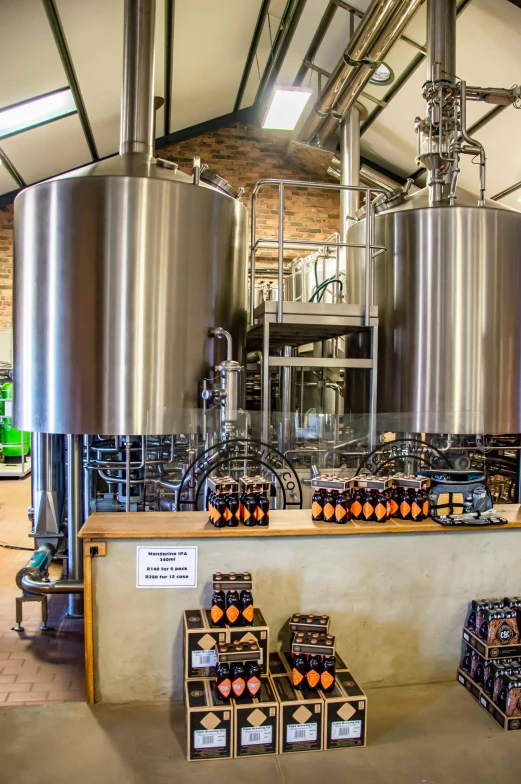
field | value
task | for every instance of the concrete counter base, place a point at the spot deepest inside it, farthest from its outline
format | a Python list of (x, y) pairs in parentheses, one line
[(397, 603)]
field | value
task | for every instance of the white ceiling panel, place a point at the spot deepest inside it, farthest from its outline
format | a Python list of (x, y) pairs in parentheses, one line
[(7, 183), (309, 21), (48, 150), (94, 33), (211, 43), (29, 61)]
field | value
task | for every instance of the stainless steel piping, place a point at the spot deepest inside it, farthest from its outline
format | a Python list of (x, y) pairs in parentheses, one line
[(32, 577), (374, 20), (75, 521), (441, 40), (352, 86), (219, 332), (349, 170), (137, 115)]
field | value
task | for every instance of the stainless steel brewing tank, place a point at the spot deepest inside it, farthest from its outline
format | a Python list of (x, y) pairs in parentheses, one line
[(448, 290), (120, 270)]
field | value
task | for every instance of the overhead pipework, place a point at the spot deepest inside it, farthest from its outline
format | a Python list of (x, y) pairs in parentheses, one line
[(442, 134), (381, 26)]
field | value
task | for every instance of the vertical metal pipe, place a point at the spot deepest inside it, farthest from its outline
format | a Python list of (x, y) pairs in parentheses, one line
[(280, 303), (252, 257), (75, 519), (368, 257), (88, 480), (285, 388), (128, 443), (441, 40), (137, 102), (349, 169)]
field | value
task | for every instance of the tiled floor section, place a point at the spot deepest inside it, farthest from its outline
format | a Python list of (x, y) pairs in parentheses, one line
[(35, 667)]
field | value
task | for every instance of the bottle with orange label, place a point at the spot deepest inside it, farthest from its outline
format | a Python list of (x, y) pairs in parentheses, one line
[(329, 506), (357, 504), (232, 510), (224, 684), (417, 506), (369, 506), (425, 504), (314, 671), (238, 678), (220, 507), (246, 607), (342, 510), (380, 509), (405, 504), (233, 608), (263, 508), (300, 668), (218, 611), (317, 505), (395, 500), (327, 676), (253, 681)]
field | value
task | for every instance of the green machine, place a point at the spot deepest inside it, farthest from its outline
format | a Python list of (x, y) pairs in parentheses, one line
[(10, 438)]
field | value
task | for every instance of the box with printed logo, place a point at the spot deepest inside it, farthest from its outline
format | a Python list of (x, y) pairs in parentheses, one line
[(256, 722), (209, 722), (501, 651), (504, 721), (257, 631), (468, 683), (345, 713), (200, 639), (301, 715)]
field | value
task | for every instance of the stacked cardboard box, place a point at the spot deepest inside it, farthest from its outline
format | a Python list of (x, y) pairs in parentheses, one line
[(218, 728), (490, 667), (316, 719)]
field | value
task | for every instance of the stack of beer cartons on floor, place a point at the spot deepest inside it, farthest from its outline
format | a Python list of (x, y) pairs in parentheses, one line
[(321, 705), (231, 709), (490, 667)]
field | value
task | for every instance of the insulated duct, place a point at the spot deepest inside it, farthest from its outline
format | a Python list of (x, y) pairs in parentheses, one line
[(381, 26), (137, 97)]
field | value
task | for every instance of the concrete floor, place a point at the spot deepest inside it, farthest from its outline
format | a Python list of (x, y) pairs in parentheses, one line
[(434, 734)]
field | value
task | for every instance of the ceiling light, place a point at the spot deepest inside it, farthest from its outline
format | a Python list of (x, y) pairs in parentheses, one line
[(36, 111), (382, 75), (286, 107)]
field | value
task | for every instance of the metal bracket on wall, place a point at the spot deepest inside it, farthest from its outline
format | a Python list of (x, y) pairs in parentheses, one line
[(100, 548)]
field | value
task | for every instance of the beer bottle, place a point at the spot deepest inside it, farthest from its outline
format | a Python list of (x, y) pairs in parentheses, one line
[(246, 607), (263, 509), (232, 510), (425, 503), (395, 500), (242, 501), (327, 676), (238, 679), (380, 510), (405, 504), (329, 507), (369, 506), (220, 507), (342, 513), (416, 506), (233, 608), (253, 682), (317, 505), (466, 661), (300, 668), (224, 684), (357, 505), (250, 508), (314, 671), (217, 613), (209, 506)]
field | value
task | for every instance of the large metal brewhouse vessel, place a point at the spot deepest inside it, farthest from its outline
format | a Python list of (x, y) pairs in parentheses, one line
[(121, 269), (448, 290)]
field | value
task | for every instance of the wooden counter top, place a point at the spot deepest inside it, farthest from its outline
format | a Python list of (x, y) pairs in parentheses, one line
[(294, 522)]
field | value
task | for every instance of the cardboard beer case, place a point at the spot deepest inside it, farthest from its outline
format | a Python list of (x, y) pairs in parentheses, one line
[(301, 716), (200, 639), (501, 651), (505, 722), (256, 722), (345, 713), (468, 683), (209, 722)]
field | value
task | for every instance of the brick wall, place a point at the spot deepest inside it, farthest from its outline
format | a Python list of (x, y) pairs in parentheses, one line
[(242, 154)]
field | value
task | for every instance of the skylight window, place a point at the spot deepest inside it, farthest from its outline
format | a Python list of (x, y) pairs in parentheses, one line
[(36, 111), (286, 107)]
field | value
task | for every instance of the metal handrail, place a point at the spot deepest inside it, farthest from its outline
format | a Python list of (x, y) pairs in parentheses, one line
[(280, 242)]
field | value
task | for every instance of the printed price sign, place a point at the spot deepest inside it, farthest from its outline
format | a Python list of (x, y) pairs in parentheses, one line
[(166, 567)]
